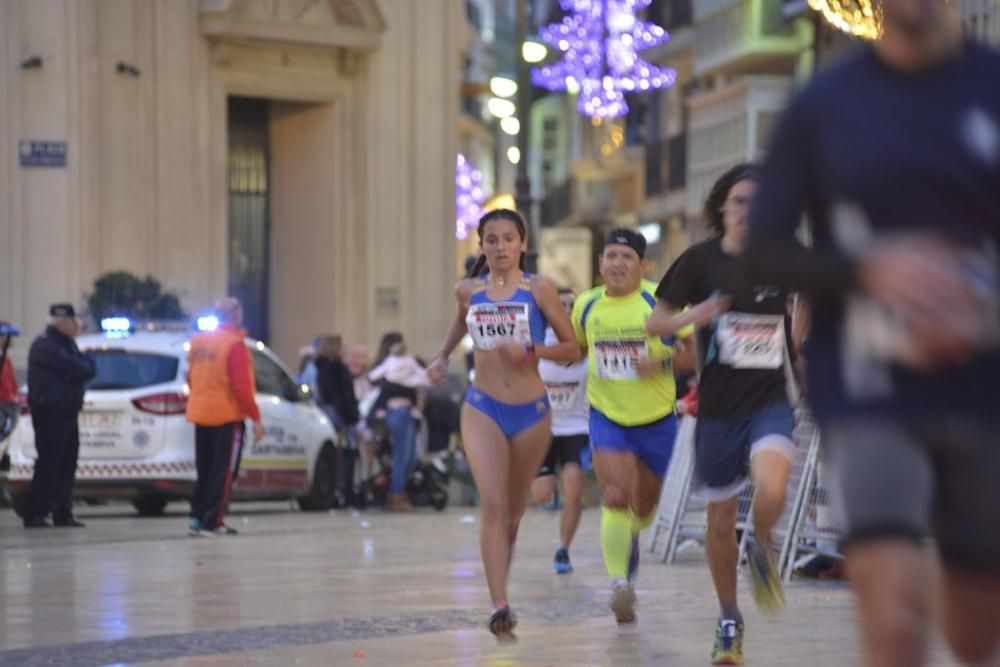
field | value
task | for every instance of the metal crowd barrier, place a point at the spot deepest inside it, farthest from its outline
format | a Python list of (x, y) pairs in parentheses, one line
[(806, 529)]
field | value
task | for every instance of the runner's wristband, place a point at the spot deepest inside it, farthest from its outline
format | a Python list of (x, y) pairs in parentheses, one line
[(529, 352)]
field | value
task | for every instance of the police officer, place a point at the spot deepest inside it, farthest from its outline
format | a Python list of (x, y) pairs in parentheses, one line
[(221, 381), (57, 372)]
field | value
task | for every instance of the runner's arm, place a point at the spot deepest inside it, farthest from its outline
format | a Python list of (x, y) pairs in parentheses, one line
[(567, 350), (240, 369), (456, 330), (774, 255), (684, 359), (666, 320)]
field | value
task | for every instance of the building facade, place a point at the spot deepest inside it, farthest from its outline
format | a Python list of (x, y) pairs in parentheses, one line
[(299, 154)]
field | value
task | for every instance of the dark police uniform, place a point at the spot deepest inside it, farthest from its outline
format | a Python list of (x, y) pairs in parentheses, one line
[(57, 372)]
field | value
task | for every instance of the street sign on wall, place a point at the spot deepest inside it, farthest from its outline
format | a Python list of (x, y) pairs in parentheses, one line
[(42, 153)]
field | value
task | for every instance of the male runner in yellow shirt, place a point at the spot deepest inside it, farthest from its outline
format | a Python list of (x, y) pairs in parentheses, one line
[(632, 394)]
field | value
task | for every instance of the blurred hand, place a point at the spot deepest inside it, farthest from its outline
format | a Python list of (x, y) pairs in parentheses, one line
[(438, 370), (647, 367), (258, 431), (702, 314), (513, 353), (921, 282)]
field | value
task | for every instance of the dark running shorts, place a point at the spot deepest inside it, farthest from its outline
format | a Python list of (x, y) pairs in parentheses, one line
[(564, 449), (911, 479)]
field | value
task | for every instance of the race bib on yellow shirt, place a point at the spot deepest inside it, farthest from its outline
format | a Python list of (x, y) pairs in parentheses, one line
[(751, 341), (616, 359), (492, 323)]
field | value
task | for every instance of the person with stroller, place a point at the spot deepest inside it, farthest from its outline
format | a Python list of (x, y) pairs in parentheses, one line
[(399, 376)]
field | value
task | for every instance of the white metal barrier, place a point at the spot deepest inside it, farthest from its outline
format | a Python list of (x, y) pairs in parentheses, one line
[(806, 528)]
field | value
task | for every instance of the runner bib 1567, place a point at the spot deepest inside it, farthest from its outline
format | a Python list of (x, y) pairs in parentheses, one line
[(493, 323)]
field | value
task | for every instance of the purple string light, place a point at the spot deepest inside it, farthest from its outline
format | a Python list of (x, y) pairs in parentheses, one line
[(600, 41), (469, 197)]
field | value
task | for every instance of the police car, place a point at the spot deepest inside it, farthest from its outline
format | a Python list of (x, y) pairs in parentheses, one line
[(135, 442)]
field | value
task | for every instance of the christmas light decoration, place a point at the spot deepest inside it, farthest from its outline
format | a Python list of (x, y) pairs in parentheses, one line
[(600, 41), (469, 197), (855, 17)]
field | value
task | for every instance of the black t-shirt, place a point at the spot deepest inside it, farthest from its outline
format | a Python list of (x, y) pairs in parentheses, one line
[(866, 152), (726, 390)]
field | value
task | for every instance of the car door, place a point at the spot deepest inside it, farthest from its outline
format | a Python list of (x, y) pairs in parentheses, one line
[(279, 461)]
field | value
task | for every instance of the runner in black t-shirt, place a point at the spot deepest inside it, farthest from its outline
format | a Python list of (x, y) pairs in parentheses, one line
[(744, 419)]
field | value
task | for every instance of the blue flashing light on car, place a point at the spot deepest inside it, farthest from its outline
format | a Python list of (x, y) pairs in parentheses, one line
[(116, 326), (208, 323)]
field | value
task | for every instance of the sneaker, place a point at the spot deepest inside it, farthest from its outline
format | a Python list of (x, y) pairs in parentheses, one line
[(502, 623), (728, 648), (67, 521), (225, 530), (767, 590), (195, 529), (36, 522), (561, 562), (633, 561), (622, 601)]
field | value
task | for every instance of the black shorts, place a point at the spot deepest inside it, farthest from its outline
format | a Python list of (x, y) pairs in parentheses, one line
[(564, 449), (916, 478)]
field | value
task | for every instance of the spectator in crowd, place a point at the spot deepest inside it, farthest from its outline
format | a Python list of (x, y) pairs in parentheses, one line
[(57, 372), (399, 375), (307, 368), (8, 382), (335, 384)]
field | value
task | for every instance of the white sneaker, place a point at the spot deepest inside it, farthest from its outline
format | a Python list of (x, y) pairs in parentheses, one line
[(622, 601)]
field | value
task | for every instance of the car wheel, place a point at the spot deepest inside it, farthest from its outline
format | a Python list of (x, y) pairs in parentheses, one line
[(323, 493), (439, 500), (150, 505)]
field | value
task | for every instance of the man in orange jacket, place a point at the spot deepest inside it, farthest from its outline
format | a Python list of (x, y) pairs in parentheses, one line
[(222, 396)]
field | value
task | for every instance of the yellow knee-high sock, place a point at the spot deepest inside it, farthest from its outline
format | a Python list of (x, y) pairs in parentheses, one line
[(616, 540), (641, 523)]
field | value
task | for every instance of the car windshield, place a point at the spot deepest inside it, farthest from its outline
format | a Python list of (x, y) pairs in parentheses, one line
[(121, 369)]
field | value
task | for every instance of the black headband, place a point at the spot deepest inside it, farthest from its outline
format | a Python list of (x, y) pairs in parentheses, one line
[(629, 238)]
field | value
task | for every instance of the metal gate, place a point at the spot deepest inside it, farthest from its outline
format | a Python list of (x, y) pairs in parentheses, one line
[(249, 211)]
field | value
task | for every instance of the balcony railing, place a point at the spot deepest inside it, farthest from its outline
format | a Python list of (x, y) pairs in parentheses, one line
[(677, 157), (666, 165), (672, 14), (744, 32)]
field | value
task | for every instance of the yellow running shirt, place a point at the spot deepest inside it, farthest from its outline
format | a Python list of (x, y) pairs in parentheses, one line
[(613, 329)]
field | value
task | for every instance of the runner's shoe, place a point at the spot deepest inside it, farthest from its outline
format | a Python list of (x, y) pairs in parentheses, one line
[(728, 649), (622, 601), (225, 530), (767, 591), (561, 562), (502, 623)]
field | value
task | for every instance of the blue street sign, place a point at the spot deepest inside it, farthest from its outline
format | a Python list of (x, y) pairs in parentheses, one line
[(42, 153)]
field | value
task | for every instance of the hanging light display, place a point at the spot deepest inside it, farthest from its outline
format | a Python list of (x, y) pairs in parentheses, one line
[(469, 197), (600, 41), (859, 18)]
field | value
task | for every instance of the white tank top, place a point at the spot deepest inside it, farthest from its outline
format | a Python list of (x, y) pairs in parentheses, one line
[(567, 388)]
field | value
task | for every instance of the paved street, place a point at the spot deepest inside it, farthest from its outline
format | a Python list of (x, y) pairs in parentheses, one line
[(303, 589)]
